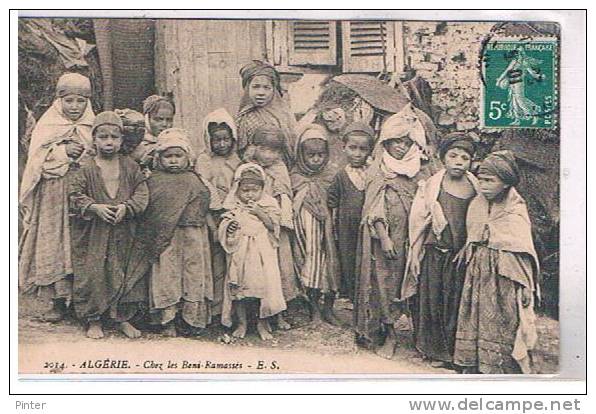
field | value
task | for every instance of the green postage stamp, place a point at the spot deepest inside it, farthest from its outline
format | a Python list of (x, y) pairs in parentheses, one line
[(519, 83)]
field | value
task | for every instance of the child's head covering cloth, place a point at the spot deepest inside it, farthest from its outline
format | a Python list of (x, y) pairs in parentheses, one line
[(457, 140), (259, 68), (73, 83), (219, 117), (173, 138), (312, 131), (503, 165), (250, 168), (357, 127), (107, 118)]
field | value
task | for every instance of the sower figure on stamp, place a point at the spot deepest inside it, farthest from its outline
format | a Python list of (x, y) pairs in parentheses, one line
[(249, 233), (315, 254), (60, 141), (437, 232), (217, 164), (172, 241), (107, 194), (391, 185), (496, 328)]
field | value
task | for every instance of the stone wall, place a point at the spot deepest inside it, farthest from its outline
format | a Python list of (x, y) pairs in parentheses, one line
[(446, 55)]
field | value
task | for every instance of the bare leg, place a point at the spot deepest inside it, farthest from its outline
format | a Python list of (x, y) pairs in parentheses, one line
[(314, 296), (95, 330), (328, 314), (388, 349), (55, 313), (169, 330), (282, 323), (130, 331), (263, 329), (240, 331)]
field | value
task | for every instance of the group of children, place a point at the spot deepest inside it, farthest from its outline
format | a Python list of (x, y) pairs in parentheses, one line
[(262, 217)]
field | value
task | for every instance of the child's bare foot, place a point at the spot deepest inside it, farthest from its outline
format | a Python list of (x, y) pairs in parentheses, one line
[(53, 315), (240, 331), (95, 331), (130, 331), (388, 349), (282, 324), (263, 330), (169, 330)]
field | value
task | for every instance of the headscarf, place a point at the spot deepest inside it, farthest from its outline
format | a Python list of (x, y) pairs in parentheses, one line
[(220, 117), (457, 140), (53, 128), (503, 165), (259, 68), (73, 83), (173, 138), (360, 127), (405, 122), (150, 105), (231, 200), (312, 131), (107, 118)]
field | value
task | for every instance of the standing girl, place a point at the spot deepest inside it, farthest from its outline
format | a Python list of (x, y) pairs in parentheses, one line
[(217, 164), (60, 141), (159, 114), (391, 185), (249, 233), (315, 254), (496, 325), (172, 239), (107, 195), (262, 104), (346, 196), (437, 233)]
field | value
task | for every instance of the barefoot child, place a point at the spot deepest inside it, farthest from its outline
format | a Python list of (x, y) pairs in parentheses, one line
[(249, 233), (60, 141), (267, 151), (346, 196), (314, 248), (217, 164), (391, 185), (107, 194), (159, 114), (173, 241), (496, 324), (437, 232)]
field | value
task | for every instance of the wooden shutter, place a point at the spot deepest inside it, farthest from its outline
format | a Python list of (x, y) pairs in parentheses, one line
[(312, 42), (372, 46)]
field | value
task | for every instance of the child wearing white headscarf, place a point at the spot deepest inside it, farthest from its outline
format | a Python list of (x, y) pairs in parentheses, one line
[(60, 141)]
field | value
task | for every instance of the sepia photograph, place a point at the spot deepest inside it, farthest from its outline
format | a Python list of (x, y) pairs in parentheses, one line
[(288, 196)]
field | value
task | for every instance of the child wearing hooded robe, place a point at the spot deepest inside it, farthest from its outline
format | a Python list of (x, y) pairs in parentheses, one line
[(391, 184), (496, 328), (159, 114), (172, 239), (437, 232), (262, 104), (267, 151), (107, 195), (346, 197), (60, 142), (217, 164), (249, 233), (315, 253)]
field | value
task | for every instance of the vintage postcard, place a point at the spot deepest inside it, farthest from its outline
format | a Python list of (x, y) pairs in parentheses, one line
[(275, 196)]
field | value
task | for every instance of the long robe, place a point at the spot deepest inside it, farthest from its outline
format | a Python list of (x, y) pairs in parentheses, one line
[(495, 332), (172, 242), (100, 251), (45, 245), (219, 172), (348, 201), (253, 267), (437, 233), (379, 280)]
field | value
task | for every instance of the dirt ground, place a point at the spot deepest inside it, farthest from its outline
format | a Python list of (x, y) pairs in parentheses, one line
[(305, 348)]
